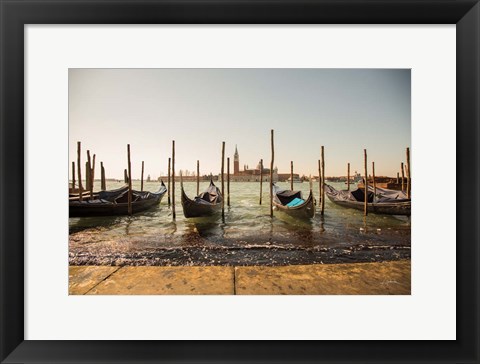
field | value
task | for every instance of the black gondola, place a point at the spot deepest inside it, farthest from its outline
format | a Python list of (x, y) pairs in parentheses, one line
[(102, 195), (292, 203), (388, 202), (115, 202), (207, 203)]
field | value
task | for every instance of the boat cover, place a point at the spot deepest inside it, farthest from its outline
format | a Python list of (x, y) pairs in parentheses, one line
[(284, 197), (383, 195), (295, 202), (211, 196)]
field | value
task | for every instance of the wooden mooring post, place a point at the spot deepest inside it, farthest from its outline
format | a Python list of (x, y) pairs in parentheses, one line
[(92, 177), (129, 180), (198, 177), (88, 169), (141, 178), (73, 176), (174, 215), (365, 204), (168, 182), (291, 175), (223, 178), (398, 178), (103, 184), (403, 177), (409, 186), (271, 173), (374, 182), (322, 211), (228, 182), (319, 183), (348, 177), (87, 176), (125, 175), (79, 166), (261, 181), (90, 174)]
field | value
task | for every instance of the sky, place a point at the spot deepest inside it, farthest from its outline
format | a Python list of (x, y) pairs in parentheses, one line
[(345, 110)]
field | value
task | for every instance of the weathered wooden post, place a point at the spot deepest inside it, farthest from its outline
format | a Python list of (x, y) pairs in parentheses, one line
[(79, 166), (198, 177), (320, 183), (348, 177), (223, 182), (103, 183), (374, 182), (323, 181), (141, 178), (228, 181), (92, 177), (129, 181), (271, 173), (125, 175), (398, 178), (403, 177), (261, 180), (87, 176), (93, 168), (174, 215), (291, 175), (73, 176), (365, 205), (169, 192), (409, 186), (87, 171)]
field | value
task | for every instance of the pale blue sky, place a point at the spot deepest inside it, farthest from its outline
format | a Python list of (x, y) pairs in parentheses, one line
[(346, 110)]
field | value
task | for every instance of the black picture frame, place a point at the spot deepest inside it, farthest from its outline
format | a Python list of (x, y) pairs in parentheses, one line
[(15, 14)]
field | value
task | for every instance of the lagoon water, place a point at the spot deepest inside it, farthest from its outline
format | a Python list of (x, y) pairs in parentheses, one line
[(248, 236)]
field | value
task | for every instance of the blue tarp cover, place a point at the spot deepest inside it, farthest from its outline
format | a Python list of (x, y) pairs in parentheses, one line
[(295, 202)]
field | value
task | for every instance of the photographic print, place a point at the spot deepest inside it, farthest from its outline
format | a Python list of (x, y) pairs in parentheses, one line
[(239, 181)]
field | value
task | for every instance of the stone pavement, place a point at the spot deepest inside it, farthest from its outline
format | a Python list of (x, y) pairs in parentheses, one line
[(384, 278)]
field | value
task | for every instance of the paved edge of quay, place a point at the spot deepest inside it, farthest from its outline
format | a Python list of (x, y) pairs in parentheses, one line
[(382, 278)]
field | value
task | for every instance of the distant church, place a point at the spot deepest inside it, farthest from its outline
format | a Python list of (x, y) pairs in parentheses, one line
[(250, 175)]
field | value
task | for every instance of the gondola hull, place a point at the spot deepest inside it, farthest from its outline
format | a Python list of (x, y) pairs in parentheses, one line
[(304, 211), (102, 195), (110, 207), (401, 208), (193, 209), (385, 207), (199, 207)]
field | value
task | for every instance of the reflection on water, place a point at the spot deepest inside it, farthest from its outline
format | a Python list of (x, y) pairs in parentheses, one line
[(246, 236)]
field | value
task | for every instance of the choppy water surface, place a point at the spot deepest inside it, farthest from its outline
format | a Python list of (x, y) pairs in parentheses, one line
[(248, 236)]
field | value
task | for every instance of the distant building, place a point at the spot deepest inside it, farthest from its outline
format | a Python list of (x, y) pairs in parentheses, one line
[(250, 175), (236, 162)]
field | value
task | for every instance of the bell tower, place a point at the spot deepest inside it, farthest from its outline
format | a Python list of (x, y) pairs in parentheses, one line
[(236, 162)]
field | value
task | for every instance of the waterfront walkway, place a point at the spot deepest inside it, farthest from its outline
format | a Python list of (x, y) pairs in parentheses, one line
[(324, 279)]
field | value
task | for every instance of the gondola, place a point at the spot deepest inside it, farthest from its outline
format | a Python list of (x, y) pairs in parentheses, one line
[(207, 203), (102, 195), (113, 203), (388, 202), (292, 203)]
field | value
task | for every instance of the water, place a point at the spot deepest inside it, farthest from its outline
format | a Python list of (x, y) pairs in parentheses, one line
[(248, 236)]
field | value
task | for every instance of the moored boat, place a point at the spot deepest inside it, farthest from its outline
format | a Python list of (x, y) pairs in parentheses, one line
[(292, 203), (115, 202), (102, 195), (389, 202), (207, 203)]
